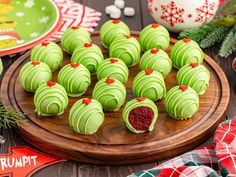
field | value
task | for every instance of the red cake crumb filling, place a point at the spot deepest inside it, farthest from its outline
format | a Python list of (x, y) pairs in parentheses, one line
[(141, 118)]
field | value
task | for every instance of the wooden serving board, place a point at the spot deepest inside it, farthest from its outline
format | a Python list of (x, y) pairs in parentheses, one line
[(113, 143)]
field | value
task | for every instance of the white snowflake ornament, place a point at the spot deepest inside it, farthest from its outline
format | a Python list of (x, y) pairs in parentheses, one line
[(178, 15)]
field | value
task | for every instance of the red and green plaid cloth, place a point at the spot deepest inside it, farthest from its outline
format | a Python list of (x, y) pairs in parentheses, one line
[(211, 161)]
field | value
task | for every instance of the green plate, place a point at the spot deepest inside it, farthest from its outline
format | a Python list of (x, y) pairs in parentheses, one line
[(24, 23)]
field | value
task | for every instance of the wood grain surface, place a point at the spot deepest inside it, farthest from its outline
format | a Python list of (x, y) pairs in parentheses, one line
[(76, 169)]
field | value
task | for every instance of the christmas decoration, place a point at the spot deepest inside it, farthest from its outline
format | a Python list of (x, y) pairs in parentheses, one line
[(178, 15)]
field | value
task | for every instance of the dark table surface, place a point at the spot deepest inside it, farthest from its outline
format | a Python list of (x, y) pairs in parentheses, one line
[(74, 169)]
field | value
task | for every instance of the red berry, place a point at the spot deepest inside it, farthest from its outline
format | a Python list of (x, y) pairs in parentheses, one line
[(110, 80), (51, 84), (75, 65), (154, 51), (140, 99), (86, 101), (183, 87), (148, 71)]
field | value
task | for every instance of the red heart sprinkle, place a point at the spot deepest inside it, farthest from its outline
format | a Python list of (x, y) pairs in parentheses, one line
[(88, 45), (148, 71), (51, 84), (115, 21), (183, 87), (86, 101), (140, 99), (186, 40), (128, 36), (113, 60), (110, 80), (155, 25), (45, 43), (75, 65), (154, 51), (193, 65), (75, 27), (35, 63)]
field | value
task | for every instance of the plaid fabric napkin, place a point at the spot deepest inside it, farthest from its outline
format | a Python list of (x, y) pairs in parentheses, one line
[(214, 160)]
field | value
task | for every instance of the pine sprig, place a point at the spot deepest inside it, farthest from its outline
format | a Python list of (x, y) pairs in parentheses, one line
[(9, 117), (215, 36)]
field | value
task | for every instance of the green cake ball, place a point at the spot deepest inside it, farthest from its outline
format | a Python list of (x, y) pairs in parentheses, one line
[(157, 60), (181, 102), (86, 116), (32, 74), (194, 75), (73, 38), (49, 53), (140, 115), (50, 99), (149, 84), (127, 49), (184, 52), (154, 36), (114, 68), (75, 78), (111, 30), (111, 93), (90, 55)]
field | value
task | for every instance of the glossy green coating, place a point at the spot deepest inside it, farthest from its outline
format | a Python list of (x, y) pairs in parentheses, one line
[(127, 49), (50, 100), (75, 78), (111, 30), (151, 85), (194, 75), (49, 53), (154, 36), (134, 103), (86, 118), (114, 68), (32, 74), (157, 60), (74, 37), (111, 93), (181, 104), (90, 56), (184, 52)]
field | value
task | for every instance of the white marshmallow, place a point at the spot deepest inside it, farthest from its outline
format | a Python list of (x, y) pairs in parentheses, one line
[(119, 4), (129, 11), (115, 13), (109, 8)]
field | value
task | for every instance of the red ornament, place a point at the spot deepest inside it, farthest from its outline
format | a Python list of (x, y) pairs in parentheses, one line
[(51, 84), (193, 65), (155, 25), (113, 60), (88, 45), (35, 63), (45, 43), (154, 51), (128, 37), (110, 80), (183, 87), (148, 71), (186, 40), (115, 21), (75, 65), (75, 27), (86, 101), (140, 99)]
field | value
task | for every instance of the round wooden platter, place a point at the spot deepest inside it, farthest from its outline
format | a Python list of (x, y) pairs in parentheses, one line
[(113, 143)]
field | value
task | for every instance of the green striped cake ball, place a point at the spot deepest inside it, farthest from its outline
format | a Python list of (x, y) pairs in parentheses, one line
[(50, 99), (74, 37), (75, 78), (157, 60), (86, 116), (181, 102), (111, 93), (154, 36), (114, 68), (140, 115), (126, 48), (34, 73), (149, 84), (194, 75), (90, 55), (49, 53), (184, 52), (111, 30)]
